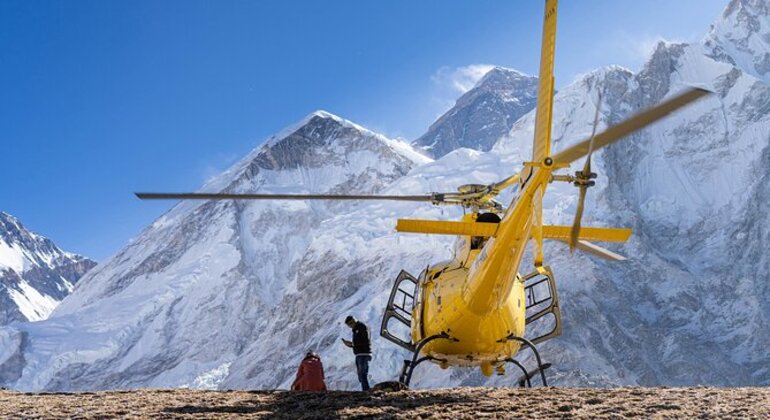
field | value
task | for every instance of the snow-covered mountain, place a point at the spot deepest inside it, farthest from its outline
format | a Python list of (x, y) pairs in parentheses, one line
[(483, 114), (185, 298), (35, 275), (231, 294), (740, 38)]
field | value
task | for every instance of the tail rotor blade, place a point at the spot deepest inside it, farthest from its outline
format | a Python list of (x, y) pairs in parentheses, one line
[(575, 232), (593, 249)]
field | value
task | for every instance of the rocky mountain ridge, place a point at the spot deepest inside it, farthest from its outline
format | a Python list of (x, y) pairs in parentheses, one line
[(483, 114), (35, 274)]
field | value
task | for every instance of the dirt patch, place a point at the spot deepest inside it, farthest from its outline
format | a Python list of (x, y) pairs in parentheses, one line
[(448, 403)]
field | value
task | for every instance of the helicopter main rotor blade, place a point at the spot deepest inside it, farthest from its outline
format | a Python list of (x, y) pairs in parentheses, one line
[(630, 125), (507, 182), (229, 196)]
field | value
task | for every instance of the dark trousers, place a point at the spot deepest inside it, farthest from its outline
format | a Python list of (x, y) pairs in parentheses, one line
[(362, 366)]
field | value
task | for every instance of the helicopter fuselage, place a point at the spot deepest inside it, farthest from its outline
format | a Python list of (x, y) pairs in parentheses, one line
[(478, 297)]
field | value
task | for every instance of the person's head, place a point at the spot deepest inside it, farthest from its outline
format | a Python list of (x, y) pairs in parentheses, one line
[(350, 321), (311, 353)]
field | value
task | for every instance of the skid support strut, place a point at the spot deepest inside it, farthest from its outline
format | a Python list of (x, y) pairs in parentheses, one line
[(523, 370), (540, 366), (409, 365)]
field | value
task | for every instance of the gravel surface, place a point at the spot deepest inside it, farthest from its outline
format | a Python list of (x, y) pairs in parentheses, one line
[(450, 403)]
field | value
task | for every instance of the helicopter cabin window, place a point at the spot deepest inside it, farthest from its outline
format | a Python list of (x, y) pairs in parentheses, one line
[(477, 242)]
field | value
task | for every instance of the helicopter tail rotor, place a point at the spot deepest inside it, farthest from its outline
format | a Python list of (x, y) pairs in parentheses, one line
[(583, 180)]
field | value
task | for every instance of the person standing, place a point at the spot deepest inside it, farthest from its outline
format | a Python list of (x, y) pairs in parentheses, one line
[(362, 348), (310, 375)]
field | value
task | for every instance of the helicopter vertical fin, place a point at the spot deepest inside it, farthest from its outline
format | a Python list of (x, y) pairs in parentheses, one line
[(489, 281), (537, 226), (541, 147), (542, 142)]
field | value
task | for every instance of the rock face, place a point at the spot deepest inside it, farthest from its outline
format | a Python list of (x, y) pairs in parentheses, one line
[(483, 114), (232, 294), (740, 37), (35, 275)]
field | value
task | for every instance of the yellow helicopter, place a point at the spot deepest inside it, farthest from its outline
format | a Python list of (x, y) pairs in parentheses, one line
[(474, 309)]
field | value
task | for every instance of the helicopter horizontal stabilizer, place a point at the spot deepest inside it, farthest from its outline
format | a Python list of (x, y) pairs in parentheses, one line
[(587, 233), (443, 227)]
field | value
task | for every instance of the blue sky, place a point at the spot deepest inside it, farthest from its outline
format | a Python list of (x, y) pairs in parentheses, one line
[(102, 98)]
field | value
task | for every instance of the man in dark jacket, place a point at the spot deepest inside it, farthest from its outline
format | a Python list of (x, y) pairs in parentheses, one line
[(362, 348)]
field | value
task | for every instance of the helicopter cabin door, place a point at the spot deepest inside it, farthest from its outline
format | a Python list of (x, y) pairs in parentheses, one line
[(397, 320), (543, 312)]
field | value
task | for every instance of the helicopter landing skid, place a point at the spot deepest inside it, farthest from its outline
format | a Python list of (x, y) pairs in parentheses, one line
[(541, 367), (524, 380), (409, 365)]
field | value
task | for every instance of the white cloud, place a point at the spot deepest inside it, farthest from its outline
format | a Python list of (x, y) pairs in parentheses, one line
[(460, 79), (215, 165), (633, 50), (449, 83), (641, 48)]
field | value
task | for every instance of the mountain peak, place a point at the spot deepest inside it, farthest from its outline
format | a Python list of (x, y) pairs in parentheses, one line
[(500, 77), (12, 230), (321, 113), (741, 37), (6, 217), (748, 7), (35, 273), (324, 115), (320, 139), (318, 119), (488, 111), (317, 139)]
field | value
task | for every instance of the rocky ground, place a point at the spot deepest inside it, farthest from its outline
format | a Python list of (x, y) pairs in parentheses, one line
[(438, 403)]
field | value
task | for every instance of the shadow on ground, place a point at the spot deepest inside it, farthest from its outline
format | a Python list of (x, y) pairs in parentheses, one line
[(325, 404)]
